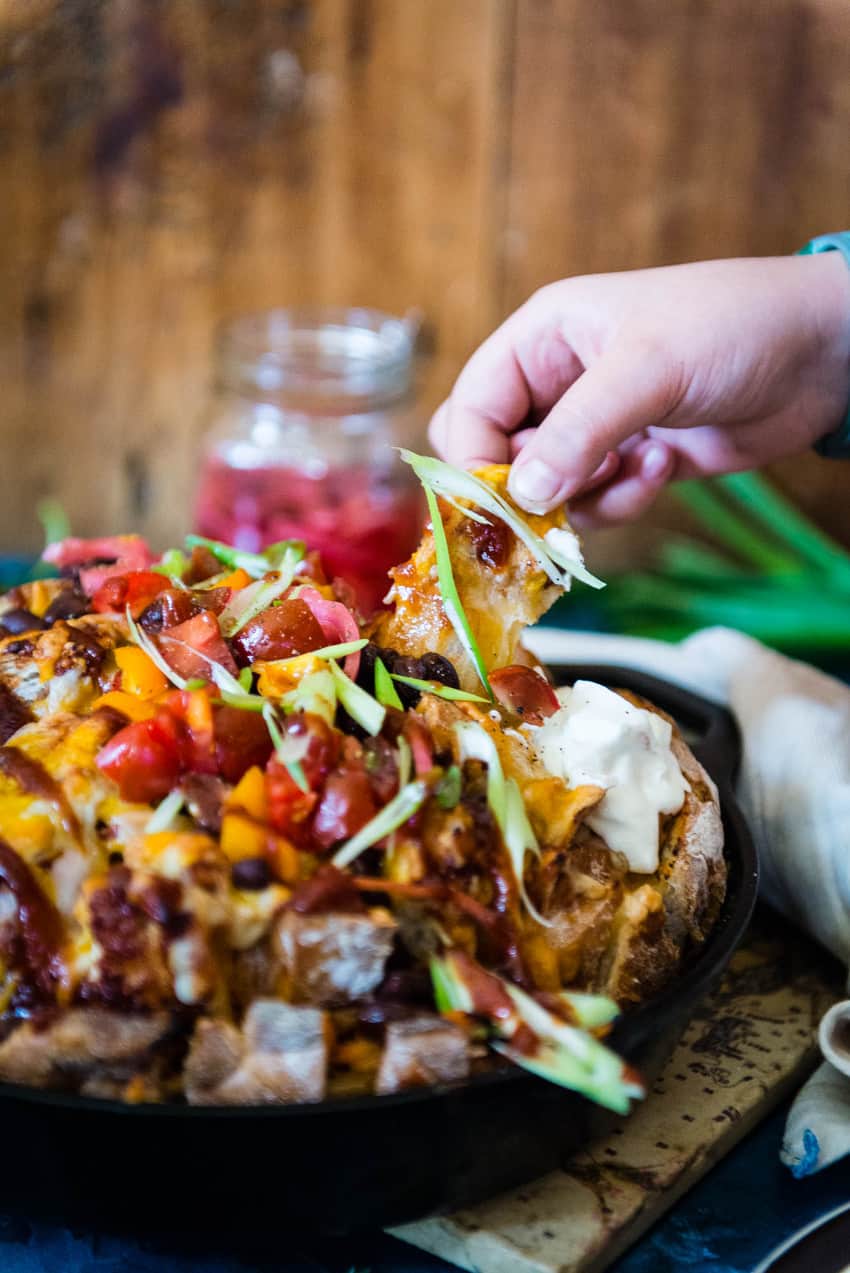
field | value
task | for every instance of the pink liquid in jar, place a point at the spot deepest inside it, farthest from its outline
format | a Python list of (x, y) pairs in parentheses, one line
[(360, 521)]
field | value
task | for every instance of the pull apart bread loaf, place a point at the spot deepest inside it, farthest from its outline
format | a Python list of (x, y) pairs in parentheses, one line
[(255, 848)]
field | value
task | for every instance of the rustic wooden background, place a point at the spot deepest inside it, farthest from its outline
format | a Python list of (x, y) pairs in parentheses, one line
[(166, 163)]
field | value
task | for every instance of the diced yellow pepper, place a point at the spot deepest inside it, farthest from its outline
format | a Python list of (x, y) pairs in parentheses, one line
[(130, 705), (278, 678), (241, 837), (249, 794), (40, 596), (284, 858), (139, 674), (238, 578)]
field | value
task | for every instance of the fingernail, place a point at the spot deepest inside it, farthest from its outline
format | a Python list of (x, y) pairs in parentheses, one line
[(655, 460), (534, 483)]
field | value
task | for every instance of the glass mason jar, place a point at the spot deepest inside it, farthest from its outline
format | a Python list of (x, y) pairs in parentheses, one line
[(310, 404)]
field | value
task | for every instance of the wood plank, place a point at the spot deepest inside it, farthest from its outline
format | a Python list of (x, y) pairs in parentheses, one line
[(172, 164)]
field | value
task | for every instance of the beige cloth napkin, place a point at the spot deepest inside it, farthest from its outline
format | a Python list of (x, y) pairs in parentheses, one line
[(794, 787)]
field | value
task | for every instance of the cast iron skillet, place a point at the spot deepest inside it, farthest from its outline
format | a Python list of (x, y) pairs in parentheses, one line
[(375, 1160)]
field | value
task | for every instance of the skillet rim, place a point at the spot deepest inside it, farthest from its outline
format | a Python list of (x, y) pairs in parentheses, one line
[(730, 925)]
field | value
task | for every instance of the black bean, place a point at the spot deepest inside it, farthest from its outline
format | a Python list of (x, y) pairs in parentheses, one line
[(404, 666), (440, 669), (251, 873), (67, 604), (14, 622)]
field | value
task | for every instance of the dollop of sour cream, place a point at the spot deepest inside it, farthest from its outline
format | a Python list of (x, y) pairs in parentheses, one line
[(597, 737)]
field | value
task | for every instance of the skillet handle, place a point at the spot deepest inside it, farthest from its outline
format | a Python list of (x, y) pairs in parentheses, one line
[(709, 730)]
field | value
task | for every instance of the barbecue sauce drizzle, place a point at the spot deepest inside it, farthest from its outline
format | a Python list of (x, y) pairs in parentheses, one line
[(40, 921), (32, 777)]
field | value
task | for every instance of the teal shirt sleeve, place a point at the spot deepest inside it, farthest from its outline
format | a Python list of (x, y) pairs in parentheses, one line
[(836, 445)]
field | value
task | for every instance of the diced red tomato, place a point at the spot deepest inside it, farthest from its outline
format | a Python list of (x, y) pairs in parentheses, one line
[(194, 711), (144, 758), (191, 646), (136, 590), (279, 633), (241, 740), (524, 691), (345, 806), (290, 807)]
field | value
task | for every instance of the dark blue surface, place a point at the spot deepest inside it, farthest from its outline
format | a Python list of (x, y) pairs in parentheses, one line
[(728, 1223)]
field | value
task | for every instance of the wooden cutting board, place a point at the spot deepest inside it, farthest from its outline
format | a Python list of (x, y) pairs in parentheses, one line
[(751, 1044)]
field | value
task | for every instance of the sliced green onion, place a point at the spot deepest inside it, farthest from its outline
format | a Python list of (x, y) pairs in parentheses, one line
[(142, 639), (219, 675), (246, 679), (244, 702), (315, 693), (173, 564), (361, 707), (405, 760), (565, 1054), (448, 591), (393, 815), (165, 813), (450, 992), (506, 804), (248, 602), (385, 692), (445, 480), (325, 652), (476, 744), (448, 789), (254, 564), (439, 690), (285, 753), (590, 1011), (196, 683)]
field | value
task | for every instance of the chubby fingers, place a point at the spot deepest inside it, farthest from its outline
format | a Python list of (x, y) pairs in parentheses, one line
[(624, 392), (644, 471), (521, 370)]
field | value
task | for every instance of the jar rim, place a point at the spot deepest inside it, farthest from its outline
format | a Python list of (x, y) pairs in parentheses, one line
[(318, 349)]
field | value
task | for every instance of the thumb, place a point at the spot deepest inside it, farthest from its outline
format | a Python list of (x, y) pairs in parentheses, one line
[(625, 391)]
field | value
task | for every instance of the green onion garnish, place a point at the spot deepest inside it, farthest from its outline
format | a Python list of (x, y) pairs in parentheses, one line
[(289, 751), (173, 564), (248, 602), (444, 480), (393, 815), (506, 804), (565, 1054), (590, 1011), (405, 760), (439, 690), (448, 591), (338, 651), (447, 791), (315, 693), (246, 679), (254, 564), (385, 691), (165, 813), (196, 683), (361, 707)]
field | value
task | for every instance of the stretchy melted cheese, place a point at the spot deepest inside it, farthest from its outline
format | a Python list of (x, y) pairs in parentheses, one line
[(598, 737)]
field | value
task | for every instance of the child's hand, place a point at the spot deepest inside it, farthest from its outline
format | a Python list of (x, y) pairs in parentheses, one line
[(606, 387)]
